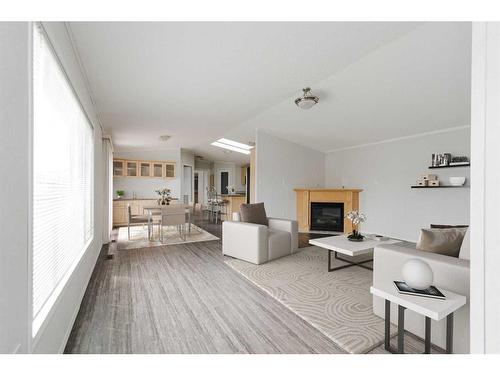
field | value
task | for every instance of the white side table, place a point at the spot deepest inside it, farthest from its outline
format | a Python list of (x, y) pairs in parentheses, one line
[(431, 308)]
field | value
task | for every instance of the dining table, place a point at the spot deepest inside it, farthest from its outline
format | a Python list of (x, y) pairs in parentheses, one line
[(155, 210)]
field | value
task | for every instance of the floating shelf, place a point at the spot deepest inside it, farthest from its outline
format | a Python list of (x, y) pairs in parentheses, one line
[(438, 187), (449, 166)]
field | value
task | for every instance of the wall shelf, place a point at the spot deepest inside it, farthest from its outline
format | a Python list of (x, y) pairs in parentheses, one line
[(449, 166), (438, 187)]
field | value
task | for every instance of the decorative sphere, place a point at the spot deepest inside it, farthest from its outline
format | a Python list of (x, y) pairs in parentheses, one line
[(417, 274)]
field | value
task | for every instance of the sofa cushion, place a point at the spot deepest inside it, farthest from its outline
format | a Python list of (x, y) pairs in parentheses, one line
[(441, 241), (278, 243), (253, 213), (465, 248)]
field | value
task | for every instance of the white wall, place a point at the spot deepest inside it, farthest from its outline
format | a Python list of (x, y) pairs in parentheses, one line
[(15, 151), (387, 170), (145, 187), (282, 166), (485, 197)]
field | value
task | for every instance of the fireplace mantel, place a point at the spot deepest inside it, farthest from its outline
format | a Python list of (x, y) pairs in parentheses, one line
[(349, 197)]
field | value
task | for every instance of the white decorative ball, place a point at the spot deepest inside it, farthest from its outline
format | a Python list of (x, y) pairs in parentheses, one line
[(417, 274)]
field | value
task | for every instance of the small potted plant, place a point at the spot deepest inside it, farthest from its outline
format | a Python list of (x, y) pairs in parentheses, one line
[(355, 217), (120, 193), (164, 196)]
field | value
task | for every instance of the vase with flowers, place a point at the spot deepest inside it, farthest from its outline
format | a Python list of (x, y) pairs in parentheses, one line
[(355, 217), (165, 197)]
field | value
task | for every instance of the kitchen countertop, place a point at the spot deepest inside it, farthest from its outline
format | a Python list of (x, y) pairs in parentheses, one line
[(140, 199)]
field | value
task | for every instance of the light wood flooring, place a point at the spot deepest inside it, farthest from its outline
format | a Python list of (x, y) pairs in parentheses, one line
[(184, 299)]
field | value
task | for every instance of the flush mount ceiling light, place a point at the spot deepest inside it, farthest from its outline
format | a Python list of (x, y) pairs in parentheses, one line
[(307, 100), (232, 145), (164, 138)]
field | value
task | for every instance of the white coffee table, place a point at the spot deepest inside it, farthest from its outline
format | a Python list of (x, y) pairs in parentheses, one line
[(431, 308), (340, 244)]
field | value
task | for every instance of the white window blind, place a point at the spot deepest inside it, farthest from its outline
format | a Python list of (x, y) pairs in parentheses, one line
[(62, 178)]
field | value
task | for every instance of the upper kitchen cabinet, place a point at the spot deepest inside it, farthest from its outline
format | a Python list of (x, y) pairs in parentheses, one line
[(131, 167), (143, 168), (157, 169), (169, 170), (118, 168)]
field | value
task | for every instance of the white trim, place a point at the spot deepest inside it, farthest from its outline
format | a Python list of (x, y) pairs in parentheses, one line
[(418, 135), (477, 194), (83, 72)]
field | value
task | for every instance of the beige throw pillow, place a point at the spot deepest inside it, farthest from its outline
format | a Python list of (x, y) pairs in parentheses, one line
[(253, 213), (441, 241)]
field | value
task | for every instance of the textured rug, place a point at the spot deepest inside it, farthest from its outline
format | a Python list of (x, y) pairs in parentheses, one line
[(139, 237), (338, 303)]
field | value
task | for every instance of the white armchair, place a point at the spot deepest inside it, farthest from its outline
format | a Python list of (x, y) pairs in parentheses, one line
[(256, 243)]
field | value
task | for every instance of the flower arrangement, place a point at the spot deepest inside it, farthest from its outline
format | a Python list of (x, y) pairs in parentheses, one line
[(120, 193), (355, 217), (164, 196)]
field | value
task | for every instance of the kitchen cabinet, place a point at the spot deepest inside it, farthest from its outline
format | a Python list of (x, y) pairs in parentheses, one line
[(118, 168), (131, 167), (144, 168), (120, 208), (169, 170)]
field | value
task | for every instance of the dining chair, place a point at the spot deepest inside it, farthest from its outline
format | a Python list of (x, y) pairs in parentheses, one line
[(134, 219), (173, 215)]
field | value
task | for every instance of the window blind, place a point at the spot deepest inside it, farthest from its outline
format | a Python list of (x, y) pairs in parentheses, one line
[(62, 178)]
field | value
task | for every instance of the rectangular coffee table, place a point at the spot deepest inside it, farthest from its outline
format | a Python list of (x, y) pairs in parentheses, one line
[(340, 244)]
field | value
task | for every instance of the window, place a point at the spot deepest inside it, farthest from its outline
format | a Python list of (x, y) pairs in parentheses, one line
[(62, 178)]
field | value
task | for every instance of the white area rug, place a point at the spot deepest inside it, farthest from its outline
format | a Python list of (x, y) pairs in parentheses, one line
[(337, 303), (139, 237)]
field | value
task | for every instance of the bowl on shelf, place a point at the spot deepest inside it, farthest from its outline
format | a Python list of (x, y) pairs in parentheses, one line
[(457, 181)]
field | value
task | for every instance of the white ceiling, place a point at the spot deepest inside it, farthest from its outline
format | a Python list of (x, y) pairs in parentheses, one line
[(417, 83), (201, 81)]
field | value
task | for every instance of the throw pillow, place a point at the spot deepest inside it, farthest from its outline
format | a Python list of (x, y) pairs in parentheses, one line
[(443, 226), (253, 213), (445, 241), (465, 248)]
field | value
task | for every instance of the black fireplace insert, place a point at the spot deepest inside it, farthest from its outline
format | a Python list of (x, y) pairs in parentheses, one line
[(327, 216)]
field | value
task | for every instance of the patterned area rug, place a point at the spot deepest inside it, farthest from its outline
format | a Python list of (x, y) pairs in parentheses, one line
[(139, 237), (337, 303)]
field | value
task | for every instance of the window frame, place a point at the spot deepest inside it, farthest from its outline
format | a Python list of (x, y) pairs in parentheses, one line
[(34, 332)]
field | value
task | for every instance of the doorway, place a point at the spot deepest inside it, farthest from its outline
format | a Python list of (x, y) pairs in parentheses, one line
[(224, 181), (187, 182)]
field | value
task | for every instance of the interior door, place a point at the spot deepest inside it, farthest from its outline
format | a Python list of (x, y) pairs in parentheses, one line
[(224, 182)]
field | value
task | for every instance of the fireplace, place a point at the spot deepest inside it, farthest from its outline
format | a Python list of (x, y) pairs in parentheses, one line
[(327, 216)]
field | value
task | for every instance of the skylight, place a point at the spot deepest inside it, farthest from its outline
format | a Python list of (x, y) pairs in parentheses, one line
[(232, 145)]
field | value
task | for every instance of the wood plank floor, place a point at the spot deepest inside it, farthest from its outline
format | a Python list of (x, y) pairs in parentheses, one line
[(184, 299)]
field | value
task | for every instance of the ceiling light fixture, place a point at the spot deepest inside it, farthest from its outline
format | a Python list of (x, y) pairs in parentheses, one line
[(307, 100), (164, 138), (232, 145)]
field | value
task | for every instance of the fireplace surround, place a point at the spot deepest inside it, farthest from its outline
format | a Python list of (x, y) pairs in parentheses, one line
[(305, 196)]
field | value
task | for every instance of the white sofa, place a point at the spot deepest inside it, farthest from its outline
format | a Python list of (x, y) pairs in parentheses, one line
[(257, 243), (449, 273)]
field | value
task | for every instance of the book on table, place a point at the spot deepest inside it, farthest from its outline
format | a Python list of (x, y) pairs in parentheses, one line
[(430, 292)]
